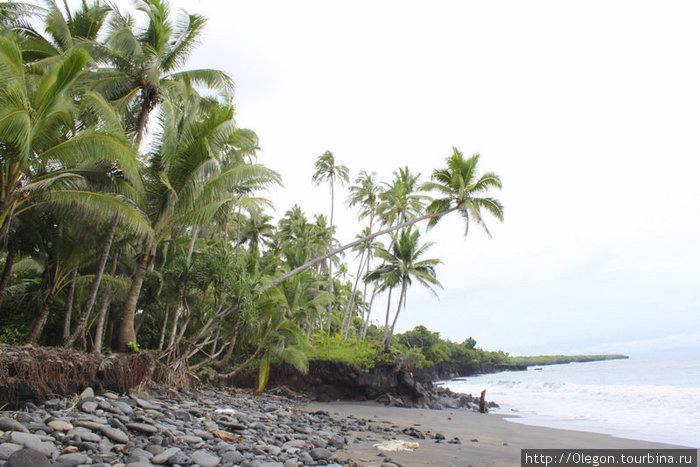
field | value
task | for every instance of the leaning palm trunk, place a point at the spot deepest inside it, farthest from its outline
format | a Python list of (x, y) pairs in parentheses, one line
[(40, 320), (365, 324), (104, 308), (127, 333), (69, 306), (389, 332), (82, 321), (388, 310), (347, 317), (163, 328), (334, 252)]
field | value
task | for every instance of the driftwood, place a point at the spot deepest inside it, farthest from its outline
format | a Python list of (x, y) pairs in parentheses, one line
[(483, 406)]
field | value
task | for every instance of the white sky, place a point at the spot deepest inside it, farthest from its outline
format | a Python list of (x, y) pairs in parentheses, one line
[(589, 111)]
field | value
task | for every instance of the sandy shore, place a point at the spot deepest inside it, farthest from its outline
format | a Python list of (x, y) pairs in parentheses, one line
[(487, 440)]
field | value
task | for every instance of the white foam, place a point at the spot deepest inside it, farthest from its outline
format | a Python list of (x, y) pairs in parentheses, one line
[(605, 397)]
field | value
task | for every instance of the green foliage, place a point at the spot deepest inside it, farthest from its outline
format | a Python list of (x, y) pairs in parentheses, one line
[(133, 346), (11, 336), (354, 352), (434, 349), (557, 359)]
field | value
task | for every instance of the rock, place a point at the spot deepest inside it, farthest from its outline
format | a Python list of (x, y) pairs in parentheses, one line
[(164, 456), (85, 435), (35, 443), (142, 427), (232, 457), (337, 441), (60, 425), (7, 424), (320, 454), (179, 458), (295, 443), (89, 406), (190, 439), (115, 434), (144, 404), (291, 463), (7, 449), (205, 459), (28, 458), (71, 460), (123, 406), (138, 464), (87, 395), (55, 404)]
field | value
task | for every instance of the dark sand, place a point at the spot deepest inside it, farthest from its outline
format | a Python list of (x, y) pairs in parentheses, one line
[(487, 439)]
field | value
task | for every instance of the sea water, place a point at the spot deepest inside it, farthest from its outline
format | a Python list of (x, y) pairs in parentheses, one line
[(651, 399)]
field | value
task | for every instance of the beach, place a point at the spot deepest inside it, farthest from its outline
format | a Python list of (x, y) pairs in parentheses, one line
[(486, 439)]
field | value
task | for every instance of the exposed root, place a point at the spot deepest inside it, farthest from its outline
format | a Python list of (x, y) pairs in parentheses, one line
[(39, 373)]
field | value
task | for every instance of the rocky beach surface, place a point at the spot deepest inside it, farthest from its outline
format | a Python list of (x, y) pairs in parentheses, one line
[(203, 427)]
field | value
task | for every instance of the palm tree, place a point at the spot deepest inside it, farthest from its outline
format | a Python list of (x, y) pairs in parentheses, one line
[(401, 266), (257, 230), (187, 184), (46, 155), (401, 199), (365, 194), (143, 65), (328, 170), (77, 29), (462, 189)]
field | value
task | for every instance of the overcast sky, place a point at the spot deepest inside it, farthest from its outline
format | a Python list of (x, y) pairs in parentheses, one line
[(589, 111)]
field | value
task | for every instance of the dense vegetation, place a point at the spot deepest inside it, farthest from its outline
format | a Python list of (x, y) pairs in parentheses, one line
[(558, 359), (132, 209)]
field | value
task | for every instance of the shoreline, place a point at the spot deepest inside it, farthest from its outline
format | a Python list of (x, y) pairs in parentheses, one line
[(486, 439)]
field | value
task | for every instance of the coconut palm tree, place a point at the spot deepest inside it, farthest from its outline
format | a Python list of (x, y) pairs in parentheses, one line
[(187, 184), (365, 194), (402, 265), (78, 29), (328, 170), (401, 200), (463, 191), (46, 154), (143, 64)]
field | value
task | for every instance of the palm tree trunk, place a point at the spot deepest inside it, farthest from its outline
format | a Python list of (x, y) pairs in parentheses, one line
[(104, 308), (69, 306), (173, 330), (388, 310), (127, 333), (365, 325), (163, 328), (348, 311), (390, 332), (82, 321), (190, 250), (317, 260), (40, 320), (7, 271), (330, 262)]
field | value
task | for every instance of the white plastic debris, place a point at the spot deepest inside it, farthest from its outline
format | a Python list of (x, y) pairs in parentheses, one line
[(226, 411), (396, 445)]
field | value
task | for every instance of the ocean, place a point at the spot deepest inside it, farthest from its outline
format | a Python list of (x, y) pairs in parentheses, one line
[(651, 399)]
